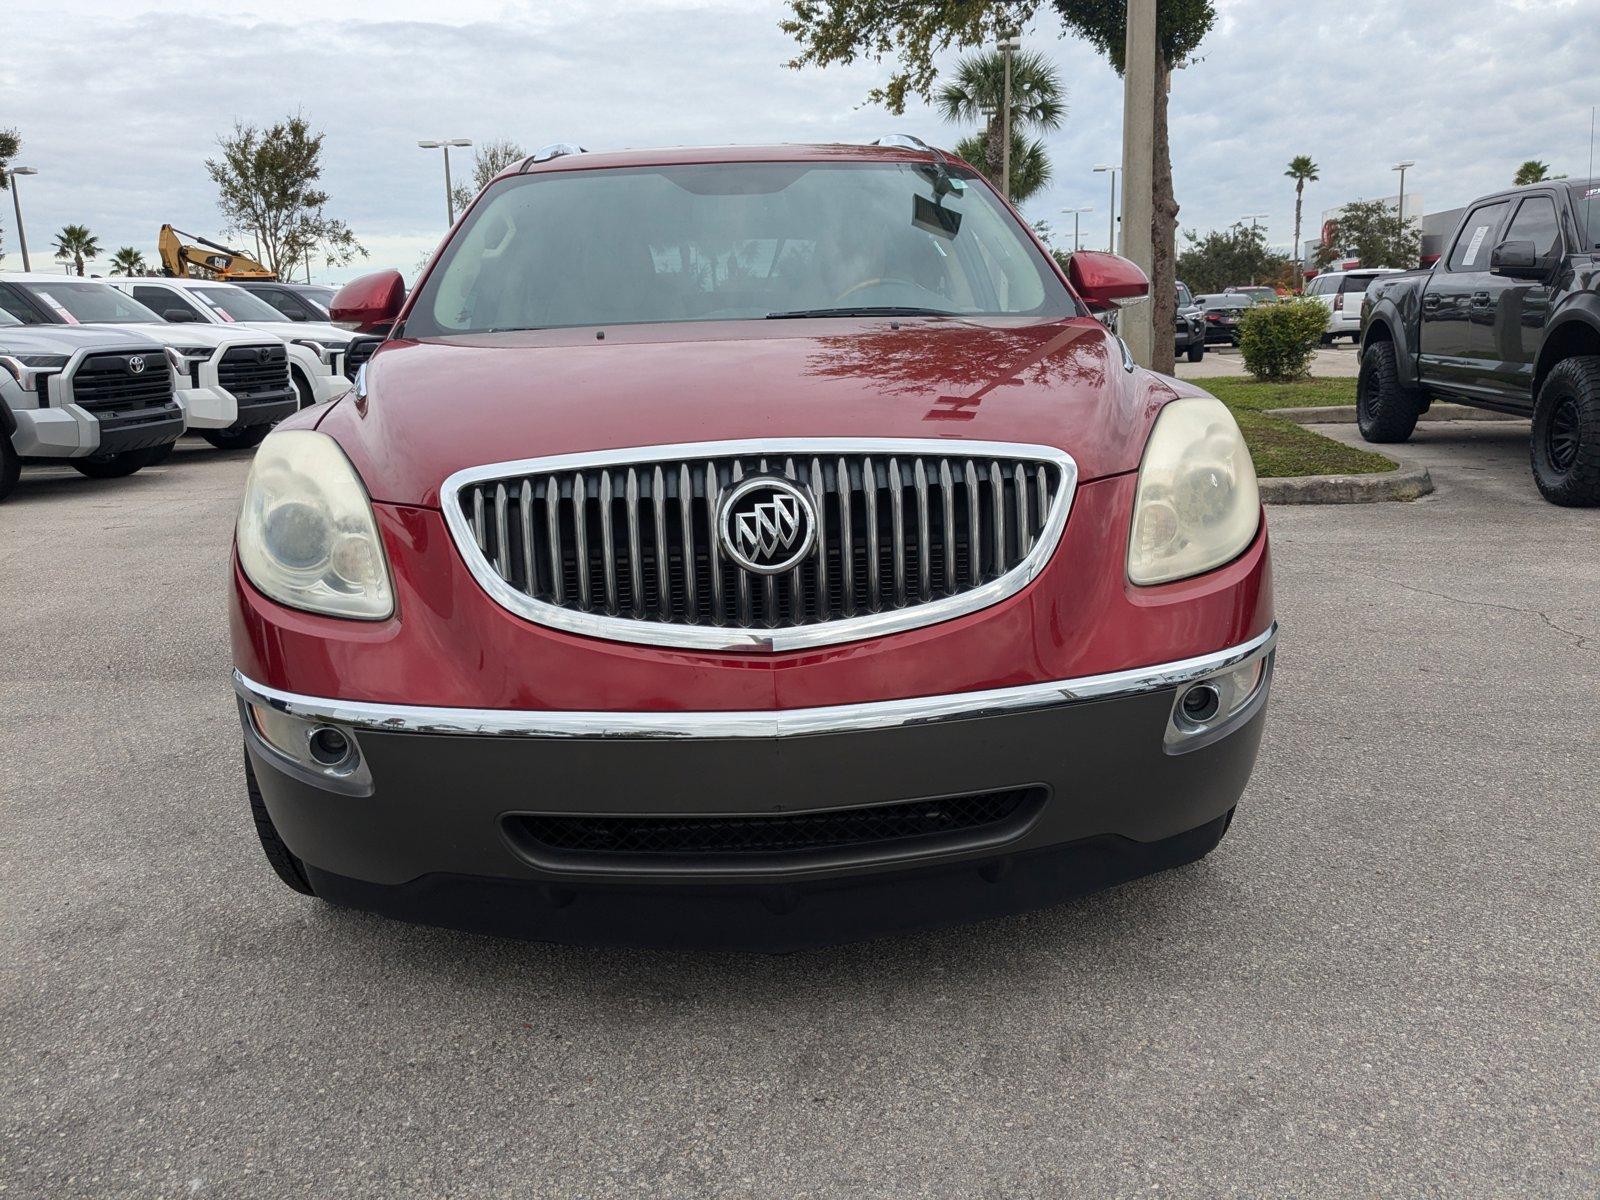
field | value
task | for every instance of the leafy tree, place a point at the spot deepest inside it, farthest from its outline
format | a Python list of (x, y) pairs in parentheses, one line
[(77, 245), (128, 261), (1373, 232), (1228, 258), (10, 145), (1036, 105), (915, 32), (1030, 166), (267, 185), (1532, 171), (1303, 171), (488, 160)]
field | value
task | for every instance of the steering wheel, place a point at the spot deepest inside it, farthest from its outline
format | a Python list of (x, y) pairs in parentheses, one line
[(866, 283)]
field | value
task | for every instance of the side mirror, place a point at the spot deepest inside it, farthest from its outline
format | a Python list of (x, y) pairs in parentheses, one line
[(1106, 280), (369, 303), (1517, 260), (179, 315)]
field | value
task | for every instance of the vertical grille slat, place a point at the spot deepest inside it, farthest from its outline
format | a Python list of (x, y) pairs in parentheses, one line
[(530, 570), (894, 529)]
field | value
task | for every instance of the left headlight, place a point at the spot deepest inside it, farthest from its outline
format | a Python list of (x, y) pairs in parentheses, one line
[(1197, 505), (307, 537)]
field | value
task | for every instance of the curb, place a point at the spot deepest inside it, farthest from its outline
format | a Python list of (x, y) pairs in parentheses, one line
[(1345, 414), (1404, 483)]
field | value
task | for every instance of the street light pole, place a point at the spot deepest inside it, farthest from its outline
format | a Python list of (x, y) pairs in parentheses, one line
[(16, 203), (1111, 237), (1252, 218), (1008, 44), (1075, 212), (1401, 167), (449, 196)]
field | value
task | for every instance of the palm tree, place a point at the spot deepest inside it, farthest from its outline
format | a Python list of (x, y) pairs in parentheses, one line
[(128, 261), (1303, 171), (1532, 171), (76, 243), (977, 94), (1030, 167)]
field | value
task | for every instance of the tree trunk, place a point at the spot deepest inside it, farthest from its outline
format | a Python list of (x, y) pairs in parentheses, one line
[(1299, 259), (1163, 233)]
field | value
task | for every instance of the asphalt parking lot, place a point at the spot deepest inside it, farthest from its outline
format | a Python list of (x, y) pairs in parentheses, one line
[(1382, 983)]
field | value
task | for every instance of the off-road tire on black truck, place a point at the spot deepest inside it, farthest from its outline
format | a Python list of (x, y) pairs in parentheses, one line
[(1197, 350), (282, 859), (1566, 433), (237, 439), (1386, 409)]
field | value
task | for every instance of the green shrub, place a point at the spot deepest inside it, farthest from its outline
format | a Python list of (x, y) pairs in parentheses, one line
[(1278, 340)]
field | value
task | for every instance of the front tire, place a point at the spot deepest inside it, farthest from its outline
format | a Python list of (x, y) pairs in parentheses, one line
[(111, 466), (10, 465), (280, 858), (1566, 434), (1386, 409), (1197, 351), (237, 439)]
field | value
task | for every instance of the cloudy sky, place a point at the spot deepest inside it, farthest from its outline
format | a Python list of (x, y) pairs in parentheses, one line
[(120, 101)]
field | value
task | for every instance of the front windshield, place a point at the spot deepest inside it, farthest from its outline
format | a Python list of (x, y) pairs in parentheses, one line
[(236, 304), (732, 241), (92, 303)]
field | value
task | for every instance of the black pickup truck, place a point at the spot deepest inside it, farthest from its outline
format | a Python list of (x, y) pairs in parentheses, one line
[(1508, 319)]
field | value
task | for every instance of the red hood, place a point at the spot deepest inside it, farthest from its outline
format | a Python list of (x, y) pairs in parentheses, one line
[(435, 407)]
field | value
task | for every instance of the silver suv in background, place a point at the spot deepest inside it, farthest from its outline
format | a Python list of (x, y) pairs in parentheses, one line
[(1342, 293), (100, 400)]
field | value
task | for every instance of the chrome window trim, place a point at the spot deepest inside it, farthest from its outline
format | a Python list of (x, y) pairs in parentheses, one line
[(724, 637), (777, 723)]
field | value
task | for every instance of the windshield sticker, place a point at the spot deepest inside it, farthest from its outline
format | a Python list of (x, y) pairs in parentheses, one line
[(1475, 245), (60, 309), (1592, 193)]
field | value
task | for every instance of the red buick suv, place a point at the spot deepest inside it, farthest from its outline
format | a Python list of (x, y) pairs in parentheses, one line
[(746, 547)]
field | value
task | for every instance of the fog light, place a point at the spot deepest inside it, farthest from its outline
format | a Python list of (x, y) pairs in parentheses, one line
[(1201, 703), (329, 747), (1204, 711), (325, 751)]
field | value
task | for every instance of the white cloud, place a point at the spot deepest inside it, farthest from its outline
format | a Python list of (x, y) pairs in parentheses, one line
[(120, 106)]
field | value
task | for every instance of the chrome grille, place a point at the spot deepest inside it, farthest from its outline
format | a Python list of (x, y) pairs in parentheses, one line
[(624, 544)]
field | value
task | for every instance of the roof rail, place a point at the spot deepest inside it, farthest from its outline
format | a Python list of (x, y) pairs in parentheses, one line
[(554, 150)]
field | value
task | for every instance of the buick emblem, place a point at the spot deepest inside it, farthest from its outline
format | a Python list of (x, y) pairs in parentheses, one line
[(767, 524), (136, 364)]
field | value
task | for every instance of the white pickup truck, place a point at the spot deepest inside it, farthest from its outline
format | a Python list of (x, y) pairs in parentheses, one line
[(233, 384), (99, 400), (316, 351)]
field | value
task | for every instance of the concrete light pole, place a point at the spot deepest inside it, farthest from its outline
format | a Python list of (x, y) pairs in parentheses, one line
[(1111, 237), (1136, 323), (1401, 167), (1075, 212), (1008, 44), (16, 203), (449, 196), (1252, 218)]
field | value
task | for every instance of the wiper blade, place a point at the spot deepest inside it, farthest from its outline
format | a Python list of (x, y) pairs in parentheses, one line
[(883, 310)]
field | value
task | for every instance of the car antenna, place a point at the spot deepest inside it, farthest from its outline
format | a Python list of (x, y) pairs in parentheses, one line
[(943, 181)]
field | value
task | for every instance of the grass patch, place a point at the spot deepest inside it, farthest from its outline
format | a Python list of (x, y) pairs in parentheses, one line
[(1241, 391), (1281, 448)]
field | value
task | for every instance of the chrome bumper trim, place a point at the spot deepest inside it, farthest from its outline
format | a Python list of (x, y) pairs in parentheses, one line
[(779, 723)]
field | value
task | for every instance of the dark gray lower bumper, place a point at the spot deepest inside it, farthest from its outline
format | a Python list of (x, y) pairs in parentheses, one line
[(428, 807)]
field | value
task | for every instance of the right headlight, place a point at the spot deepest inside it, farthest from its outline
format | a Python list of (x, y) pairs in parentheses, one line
[(1197, 505), (307, 537)]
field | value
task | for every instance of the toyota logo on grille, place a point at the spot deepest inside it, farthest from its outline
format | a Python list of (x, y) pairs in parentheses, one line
[(136, 364), (767, 525), (263, 354)]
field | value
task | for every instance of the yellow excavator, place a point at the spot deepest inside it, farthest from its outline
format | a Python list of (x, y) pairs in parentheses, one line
[(200, 258)]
